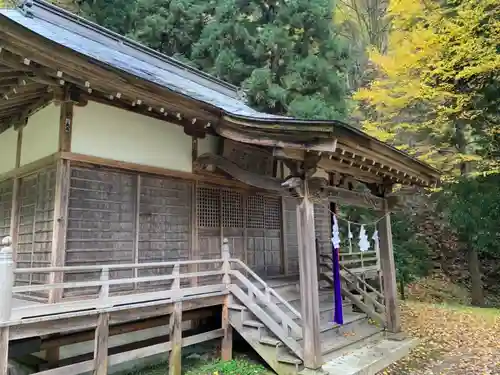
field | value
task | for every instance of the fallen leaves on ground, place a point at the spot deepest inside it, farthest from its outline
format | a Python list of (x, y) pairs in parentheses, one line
[(453, 340)]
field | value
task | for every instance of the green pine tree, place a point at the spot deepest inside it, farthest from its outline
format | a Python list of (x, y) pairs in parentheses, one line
[(284, 53)]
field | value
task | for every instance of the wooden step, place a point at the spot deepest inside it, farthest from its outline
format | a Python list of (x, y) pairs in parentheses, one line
[(332, 343), (290, 359), (271, 341), (253, 323), (235, 306)]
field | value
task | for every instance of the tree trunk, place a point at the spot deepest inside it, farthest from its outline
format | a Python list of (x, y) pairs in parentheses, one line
[(477, 294)]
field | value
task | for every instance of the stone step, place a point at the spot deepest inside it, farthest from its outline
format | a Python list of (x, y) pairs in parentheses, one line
[(345, 337), (369, 359)]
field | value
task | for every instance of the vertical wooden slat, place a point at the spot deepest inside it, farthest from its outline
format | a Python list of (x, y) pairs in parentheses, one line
[(137, 222), (284, 247), (194, 242), (14, 216), (389, 272), (308, 283), (101, 345)]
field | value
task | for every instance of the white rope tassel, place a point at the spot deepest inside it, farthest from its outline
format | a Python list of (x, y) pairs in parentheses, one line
[(364, 244), (350, 236)]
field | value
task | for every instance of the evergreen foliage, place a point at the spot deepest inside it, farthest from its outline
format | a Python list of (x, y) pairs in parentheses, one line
[(284, 53)]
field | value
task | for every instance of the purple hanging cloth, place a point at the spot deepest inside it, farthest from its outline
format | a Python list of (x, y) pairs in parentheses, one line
[(337, 288)]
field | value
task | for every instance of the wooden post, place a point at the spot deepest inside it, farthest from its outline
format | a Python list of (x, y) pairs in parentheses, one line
[(61, 198), (102, 330), (308, 283), (227, 339), (6, 284), (388, 268), (101, 345), (175, 334)]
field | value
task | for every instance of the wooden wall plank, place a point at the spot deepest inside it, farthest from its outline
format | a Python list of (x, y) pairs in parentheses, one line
[(290, 234)]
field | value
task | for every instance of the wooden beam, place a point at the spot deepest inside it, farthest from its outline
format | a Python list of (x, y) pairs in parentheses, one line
[(324, 145), (389, 273), (101, 345), (308, 283), (31, 168)]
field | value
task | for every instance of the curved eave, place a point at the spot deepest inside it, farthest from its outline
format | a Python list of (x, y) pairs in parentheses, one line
[(355, 151)]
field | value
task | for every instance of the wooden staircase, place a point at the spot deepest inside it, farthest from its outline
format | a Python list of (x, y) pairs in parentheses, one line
[(266, 316)]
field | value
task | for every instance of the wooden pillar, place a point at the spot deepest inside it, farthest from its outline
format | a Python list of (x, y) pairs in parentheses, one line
[(308, 283), (175, 331), (6, 285), (61, 198), (388, 268), (227, 339), (101, 345)]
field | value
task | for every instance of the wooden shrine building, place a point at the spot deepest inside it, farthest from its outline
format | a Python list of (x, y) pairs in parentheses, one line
[(118, 162)]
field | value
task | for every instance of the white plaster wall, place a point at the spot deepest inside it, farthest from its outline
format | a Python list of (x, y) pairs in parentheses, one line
[(41, 135), (113, 133), (8, 144), (208, 144)]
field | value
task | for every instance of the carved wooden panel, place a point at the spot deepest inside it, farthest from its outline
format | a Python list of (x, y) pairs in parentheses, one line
[(164, 224), (5, 206), (100, 222), (290, 235), (35, 225), (249, 158)]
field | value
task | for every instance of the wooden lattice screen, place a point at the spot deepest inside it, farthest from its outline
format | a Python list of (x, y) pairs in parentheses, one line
[(250, 221)]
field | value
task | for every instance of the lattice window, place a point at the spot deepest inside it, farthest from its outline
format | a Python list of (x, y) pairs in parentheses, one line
[(208, 204), (232, 209), (272, 213), (255, 212)]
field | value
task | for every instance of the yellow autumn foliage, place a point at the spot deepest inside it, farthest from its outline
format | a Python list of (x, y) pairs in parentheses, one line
[(432, 79)]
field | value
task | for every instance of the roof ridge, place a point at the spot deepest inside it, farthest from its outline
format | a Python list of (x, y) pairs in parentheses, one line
[(36, 8)]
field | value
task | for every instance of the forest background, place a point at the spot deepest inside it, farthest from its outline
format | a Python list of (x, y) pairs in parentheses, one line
[(423, 75)]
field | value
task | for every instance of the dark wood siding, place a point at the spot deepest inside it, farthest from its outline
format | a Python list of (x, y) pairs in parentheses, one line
[(290, 235), (164, 223), (35, 225)]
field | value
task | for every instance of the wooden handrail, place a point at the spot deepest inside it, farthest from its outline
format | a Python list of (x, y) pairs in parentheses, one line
[(97, 283), (115, 266), (358, 279), (267, 288)]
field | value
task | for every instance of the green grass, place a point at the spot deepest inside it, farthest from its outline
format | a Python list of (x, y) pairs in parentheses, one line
[(239, 366)]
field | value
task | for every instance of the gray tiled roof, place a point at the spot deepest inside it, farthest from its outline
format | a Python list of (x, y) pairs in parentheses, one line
[(124, 54)]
